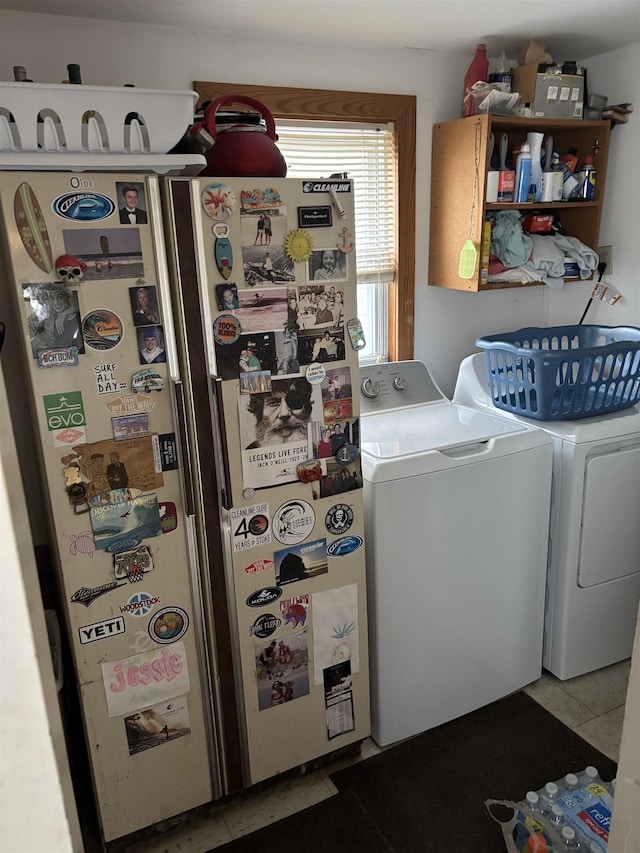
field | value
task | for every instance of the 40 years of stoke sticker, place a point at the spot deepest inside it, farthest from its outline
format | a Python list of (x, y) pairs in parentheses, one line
[(250, 525)]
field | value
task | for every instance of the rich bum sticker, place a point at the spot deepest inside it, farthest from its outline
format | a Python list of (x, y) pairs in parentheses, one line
[(58, 357), (102, 329), (293, 522), (265, 625), (168, 625), (250, 525), (264, 596), (339, 519), (345, 545), (226, 329)]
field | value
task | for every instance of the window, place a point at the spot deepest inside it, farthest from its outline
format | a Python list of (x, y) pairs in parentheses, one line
[(359, 107), (367, 154)]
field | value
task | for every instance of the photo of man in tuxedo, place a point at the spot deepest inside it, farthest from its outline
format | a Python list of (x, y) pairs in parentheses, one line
[(130, 213)]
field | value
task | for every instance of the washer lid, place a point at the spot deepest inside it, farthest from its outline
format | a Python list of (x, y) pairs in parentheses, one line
[(433, 426)]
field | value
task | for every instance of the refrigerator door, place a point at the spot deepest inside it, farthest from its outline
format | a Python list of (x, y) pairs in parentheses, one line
[(271, 264), (91, 359)]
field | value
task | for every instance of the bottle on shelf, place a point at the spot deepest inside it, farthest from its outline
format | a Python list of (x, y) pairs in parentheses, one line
[(523, 173), (558, 176), (587, 176), (20, 74), (478, 71), (570, 159), (75, 77), (570, 184), (535, 146)]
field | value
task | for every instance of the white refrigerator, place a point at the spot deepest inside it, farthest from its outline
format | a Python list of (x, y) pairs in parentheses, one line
[(184, 353)]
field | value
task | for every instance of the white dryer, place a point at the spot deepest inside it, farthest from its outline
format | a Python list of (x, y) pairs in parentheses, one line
[(456, 508), (593, 583)]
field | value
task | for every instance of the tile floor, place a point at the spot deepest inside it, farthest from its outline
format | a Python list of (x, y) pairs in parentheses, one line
[(592, 705)]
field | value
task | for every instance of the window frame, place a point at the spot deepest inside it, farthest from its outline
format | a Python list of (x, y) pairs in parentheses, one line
[(334, 105)]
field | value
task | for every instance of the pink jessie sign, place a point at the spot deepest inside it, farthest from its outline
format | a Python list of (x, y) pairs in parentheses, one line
[(145, 679)]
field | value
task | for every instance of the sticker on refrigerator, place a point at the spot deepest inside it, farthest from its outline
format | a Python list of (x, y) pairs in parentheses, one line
[(168, 451), (53, 321), (146, 380), (345, 241), (274, 431), (302, 562), (320, 346), (227, 297), (106, 380), (61, 357), (226, 330), (219, 201), (295, 610), (268, 265), (87, 595), (265, 625), (83, 207), (338, 699), (64, 411), (82, 543), (114, 524), (339, 519), (101, 630), (315, 217), (130, 426), (102, 329), (344, 546), (293, 522), (95, 461), (246, 355), (139, 604), (222, 251), (129, 404), (282, 670), (336, 384), (160, 724), (32, 227), (250, 526), (132, 565), (133, 683), (109, 253), (261, 597), (168, 625), (298, 244), (335, 629), (168, 516), (262, 310), (259, 566)]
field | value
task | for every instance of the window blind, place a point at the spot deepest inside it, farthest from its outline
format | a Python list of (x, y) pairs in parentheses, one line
[(367, 154)]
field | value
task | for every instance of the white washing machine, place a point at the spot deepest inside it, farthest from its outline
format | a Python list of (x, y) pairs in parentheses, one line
[(593, 583), (456, 508)]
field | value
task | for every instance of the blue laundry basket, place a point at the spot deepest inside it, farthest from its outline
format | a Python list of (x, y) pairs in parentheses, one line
[(564, 372)]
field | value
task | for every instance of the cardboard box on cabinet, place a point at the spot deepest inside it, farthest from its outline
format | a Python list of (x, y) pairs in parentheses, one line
[(550, 93)]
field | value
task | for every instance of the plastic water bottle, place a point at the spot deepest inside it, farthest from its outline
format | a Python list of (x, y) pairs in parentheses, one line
[(533, 802), (589, 776), (556, 817), (523, 173), (570, 783), (548, 796), (569, 839)]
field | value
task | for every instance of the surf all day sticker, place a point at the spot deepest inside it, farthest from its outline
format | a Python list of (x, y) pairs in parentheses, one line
[(102, 329), (250, 525), (293, 522), (226, 329), (168, 625)]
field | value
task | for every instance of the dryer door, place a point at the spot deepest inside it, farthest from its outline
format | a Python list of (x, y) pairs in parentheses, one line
[(610, 530)]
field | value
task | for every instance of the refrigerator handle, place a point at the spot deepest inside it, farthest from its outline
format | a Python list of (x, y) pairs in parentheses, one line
[(225, 480), (181, 422)]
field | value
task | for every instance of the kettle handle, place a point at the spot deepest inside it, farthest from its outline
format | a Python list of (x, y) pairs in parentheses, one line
[(209, 118)]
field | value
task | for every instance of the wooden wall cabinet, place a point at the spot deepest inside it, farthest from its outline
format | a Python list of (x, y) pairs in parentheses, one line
[(459, 166)]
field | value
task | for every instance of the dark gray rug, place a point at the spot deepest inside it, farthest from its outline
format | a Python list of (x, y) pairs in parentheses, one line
[(427, 795)]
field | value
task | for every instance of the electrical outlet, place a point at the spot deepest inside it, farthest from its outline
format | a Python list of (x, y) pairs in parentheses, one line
[(605, 253)]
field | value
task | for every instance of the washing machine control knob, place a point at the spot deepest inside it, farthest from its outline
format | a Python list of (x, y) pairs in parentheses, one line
[(370, 388), (400, 383)]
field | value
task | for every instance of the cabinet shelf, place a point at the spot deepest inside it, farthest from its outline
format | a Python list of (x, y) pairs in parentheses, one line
[(459, 167)]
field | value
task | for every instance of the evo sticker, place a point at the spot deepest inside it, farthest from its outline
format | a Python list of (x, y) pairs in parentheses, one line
[(266, 595), (87, 595), (58, 357), (132, 565), (102, 329), (302, 562), (293, 522), (136, 682), (139, 604), (295, 611), (130, 404), (345, 545), (101, 630), (83, 207), (339, 519), (259, 566), (315, 373), (335, 629), (157, 725), (64, 411), (82, 543), (265, 625), (168, 625), (106, 380), (219, 201), (250, 525), (226, 329)]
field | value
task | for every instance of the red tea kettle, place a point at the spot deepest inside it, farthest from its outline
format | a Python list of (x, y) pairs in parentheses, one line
[(240, 150)]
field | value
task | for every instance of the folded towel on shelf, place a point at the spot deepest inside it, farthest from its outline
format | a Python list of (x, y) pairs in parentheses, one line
[(508, 240)]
